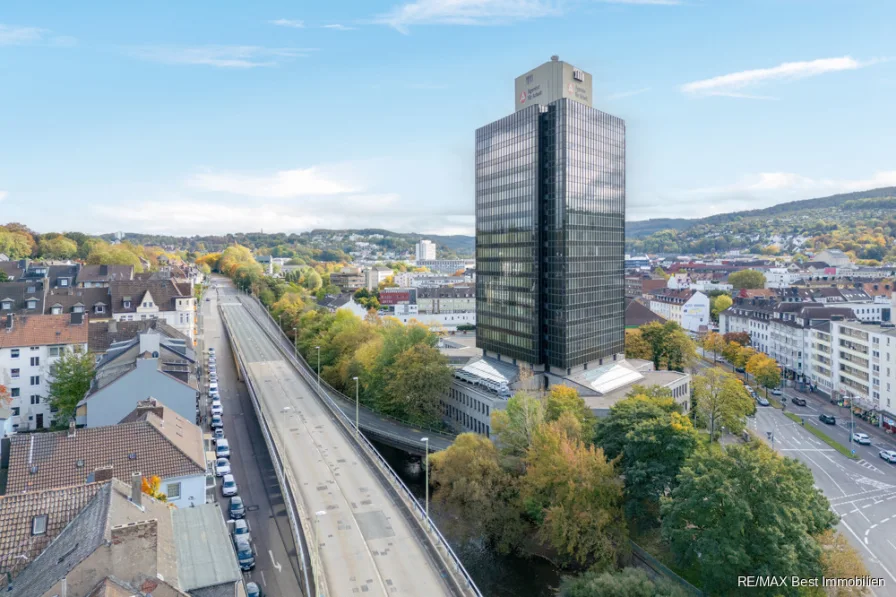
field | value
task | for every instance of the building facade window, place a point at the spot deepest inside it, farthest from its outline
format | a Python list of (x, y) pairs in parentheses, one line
[(35, 380), (173, 491), (35, 361)]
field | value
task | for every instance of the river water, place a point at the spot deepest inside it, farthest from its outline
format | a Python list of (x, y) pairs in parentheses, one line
[(496, 575)]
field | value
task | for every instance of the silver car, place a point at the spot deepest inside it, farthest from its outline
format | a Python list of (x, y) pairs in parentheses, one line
[(888, 455), (861, 438)]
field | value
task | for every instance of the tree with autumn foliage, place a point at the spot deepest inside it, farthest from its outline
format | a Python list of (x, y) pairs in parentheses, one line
[(516, 425), (574, 495), (765, 370), (152, 487), (564, 399), (839, 559), (636, 347), (713, 342), (670, 346), (742, 338), (476, 496), (722, 400)]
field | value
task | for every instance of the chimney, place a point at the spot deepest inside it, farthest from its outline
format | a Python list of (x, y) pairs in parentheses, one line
[(102, 473), (9, 319), (113, 326), (71, 428), (137, 488)]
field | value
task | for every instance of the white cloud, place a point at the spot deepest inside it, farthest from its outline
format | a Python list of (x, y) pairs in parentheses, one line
[(12, 35), (221, 56), (729, 85), (624, 94), (288, 23), (287, 183), (754, 191), (482, 12), (338, 27)]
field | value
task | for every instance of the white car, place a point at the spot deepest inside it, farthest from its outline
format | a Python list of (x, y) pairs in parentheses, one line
[(776, 392), (861, 438), (217, 409), (888, 455), (222, 467), (228, 487)]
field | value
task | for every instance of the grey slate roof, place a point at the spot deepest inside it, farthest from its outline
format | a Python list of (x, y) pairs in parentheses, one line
[(80, 539), (62, 271), (19, 292), (163, 292), (105, 273), (204, 554), (104, 333), (88, 298)]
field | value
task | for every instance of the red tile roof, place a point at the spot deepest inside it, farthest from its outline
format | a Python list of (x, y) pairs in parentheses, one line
[(42, 330)]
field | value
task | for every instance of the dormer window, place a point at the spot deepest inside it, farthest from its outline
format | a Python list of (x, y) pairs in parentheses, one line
[(100, 308), (63, 281), (6, 305), (31, 304), (57, 309), (78, 309)]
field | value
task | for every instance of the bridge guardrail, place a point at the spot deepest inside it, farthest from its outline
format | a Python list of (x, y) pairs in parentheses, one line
[(451, 562), (284, 477)]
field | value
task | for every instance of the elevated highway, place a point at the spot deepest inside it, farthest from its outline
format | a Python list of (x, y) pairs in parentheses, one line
[(365, 532)]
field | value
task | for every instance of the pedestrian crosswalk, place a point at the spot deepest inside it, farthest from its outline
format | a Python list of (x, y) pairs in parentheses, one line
[(864, 463)]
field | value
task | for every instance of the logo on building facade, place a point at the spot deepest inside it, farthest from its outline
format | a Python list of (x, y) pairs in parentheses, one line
[(578, 75), (571, 89), (523, 97)]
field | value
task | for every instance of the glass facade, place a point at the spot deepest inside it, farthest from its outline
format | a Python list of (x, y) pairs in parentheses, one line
[(550, 218)]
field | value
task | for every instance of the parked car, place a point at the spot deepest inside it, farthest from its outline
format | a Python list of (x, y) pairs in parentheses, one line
[(739, 369), (228, 487), (776, 392), (237, 509), (245, 553), (213, 377), (828, 419), (762, 401), (211, 350), (218, 434), (222, 467), (222, 449), (798, 401), (253, 590), (241, 528), (213, 387), (888, 455), (861, 438), (720, 359), (217, 409), (217, 421)]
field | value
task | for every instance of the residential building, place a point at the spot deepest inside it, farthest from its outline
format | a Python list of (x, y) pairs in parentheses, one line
[(550, 214), (695, 313), (155, 299), (833, 257), (780, 277), (637, 262), (421, 279), (95, 301), (444, 266), (136, 369), (5, 425), (29, 346), (668, 303), (101, 276), (373, 276), (22, 297), (103, 335), (349, 278), (426, 250), (152, 439), (637, 314), (446, 299), (109, 539), (478, 389), (641, 285)]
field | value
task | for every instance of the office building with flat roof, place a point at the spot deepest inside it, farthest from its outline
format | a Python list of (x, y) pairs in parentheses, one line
[(550, 214)]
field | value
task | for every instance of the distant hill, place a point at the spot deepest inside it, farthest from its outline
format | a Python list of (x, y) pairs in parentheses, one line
[(641, 228), (862, 224)]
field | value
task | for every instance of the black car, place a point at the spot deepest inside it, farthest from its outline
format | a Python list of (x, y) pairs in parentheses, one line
[(829, 419), (739, 369), (237, 509), (798, 401)]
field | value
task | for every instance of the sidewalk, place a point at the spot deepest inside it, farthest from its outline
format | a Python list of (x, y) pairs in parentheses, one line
[(822, 404)]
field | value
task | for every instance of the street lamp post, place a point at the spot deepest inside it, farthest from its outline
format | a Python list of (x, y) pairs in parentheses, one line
[(318, 367), (296, 341), (281, 321), (357, 405), (425, 440)]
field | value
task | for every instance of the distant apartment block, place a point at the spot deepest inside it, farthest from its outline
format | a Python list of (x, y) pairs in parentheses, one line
[(426, 250)]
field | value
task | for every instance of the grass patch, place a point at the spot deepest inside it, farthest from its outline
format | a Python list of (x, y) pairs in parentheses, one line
[(823, 437)]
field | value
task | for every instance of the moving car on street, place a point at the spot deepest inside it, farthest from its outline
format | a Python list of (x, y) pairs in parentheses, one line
[(827, 419), (762, 401), (798, 401), (861, 438), (888, 455)]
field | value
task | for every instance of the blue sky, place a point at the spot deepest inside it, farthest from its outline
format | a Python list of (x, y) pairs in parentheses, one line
[(210, 117)]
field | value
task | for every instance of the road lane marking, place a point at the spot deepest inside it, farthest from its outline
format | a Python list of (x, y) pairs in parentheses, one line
[(262, 579), (872, 527), (886, 519), (279, 567)]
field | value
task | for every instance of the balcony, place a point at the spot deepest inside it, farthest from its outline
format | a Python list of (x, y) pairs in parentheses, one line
[(857, 348)]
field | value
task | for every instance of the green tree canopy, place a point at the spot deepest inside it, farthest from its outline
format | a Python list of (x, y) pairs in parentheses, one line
[(71, 377), (764, 369), (419, 377), (58, 248), (744, 510), (515, 426), (564, 399), (748, 278), (628, 582), (722, 400), (670, 346)]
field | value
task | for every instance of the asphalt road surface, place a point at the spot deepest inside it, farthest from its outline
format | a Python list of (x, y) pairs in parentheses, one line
[(276, 563), (862, 492), (365, 544)]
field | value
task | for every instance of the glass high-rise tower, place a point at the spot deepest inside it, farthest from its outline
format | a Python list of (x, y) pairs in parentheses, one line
[(550, 218)]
